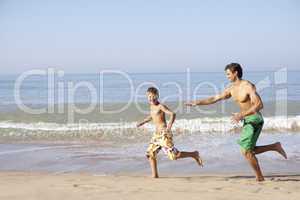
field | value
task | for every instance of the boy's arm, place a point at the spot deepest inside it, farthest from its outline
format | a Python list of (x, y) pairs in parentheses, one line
[(146, 120), (211, 100), (166, 110)]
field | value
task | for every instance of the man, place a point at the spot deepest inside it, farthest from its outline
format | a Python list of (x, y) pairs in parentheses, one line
[(244, 94)]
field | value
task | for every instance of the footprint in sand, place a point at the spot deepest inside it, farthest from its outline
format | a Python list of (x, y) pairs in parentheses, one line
[(257, 190), (218, 188), (214, 189)]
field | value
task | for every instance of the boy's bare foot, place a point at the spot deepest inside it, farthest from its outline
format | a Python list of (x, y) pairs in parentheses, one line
[(198, 159), (280, 150), (260, 179)]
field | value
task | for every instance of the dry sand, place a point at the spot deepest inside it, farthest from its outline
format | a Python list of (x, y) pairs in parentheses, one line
[(44, 186)]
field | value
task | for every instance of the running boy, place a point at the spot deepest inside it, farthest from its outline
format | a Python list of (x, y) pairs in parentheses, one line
[(162, 138)]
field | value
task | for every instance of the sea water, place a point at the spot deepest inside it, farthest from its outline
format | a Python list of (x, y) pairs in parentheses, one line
[(64, 123)]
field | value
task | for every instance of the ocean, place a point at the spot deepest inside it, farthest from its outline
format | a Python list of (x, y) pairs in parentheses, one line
[(62, 123)]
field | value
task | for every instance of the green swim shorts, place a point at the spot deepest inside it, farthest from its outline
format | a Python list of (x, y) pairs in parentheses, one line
[(251, 129)]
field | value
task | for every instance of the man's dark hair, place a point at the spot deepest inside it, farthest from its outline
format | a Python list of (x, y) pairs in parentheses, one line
[(235, 67), (153, 90)]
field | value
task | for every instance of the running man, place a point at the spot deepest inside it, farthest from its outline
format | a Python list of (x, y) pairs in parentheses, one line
[(244, 94)]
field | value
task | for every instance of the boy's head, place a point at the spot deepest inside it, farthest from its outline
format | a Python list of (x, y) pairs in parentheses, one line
[(153, 95)]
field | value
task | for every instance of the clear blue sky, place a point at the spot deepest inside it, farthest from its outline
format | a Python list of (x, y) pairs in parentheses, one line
[(148, 35)]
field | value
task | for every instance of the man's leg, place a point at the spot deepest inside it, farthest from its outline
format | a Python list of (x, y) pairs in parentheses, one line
[(271, 147), (251, 158), (153, 164), (194, 155)]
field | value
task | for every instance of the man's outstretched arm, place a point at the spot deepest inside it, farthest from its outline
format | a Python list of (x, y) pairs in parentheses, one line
[(211, 100)]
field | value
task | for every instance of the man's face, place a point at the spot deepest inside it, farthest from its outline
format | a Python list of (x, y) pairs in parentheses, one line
[(231, 76), (152, 98)]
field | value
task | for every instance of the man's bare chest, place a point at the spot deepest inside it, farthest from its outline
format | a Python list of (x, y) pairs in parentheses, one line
[(240, 95)]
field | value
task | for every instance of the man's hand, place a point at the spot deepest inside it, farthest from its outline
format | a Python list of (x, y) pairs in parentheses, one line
[(139, 124), (237, 117), (190, 103)]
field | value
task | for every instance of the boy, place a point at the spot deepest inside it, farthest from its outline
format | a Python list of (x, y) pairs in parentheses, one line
[(162, 138)]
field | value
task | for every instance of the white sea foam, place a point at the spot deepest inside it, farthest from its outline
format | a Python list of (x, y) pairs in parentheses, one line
[(197, 125)]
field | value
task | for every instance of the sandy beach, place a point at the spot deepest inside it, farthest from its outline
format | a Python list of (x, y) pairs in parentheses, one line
[(31, 186), (98, 97)]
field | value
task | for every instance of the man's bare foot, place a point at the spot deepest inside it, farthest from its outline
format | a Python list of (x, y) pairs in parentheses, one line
[(155, 176), (260, 179), (198, 159), (280, 150)]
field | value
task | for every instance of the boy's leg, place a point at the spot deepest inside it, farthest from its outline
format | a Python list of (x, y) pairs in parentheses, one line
[(194, 155), (174, 154), (152, 152), (271, 147), (153, 164)]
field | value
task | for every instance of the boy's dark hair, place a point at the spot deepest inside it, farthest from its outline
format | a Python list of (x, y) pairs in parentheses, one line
[(153, 90), (235, 67)]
